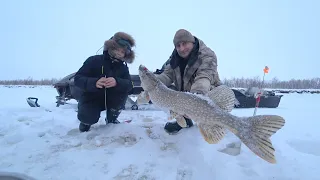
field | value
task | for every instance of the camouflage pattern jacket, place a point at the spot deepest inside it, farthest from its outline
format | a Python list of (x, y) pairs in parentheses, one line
[(200, 74)]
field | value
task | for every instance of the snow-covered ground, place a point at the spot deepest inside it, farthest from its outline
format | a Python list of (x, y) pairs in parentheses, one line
[(47, 145)]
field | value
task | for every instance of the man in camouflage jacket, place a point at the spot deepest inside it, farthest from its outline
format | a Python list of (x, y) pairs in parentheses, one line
[(192, 67)]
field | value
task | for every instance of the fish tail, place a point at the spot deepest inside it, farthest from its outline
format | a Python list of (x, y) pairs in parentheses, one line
[(257, 139)]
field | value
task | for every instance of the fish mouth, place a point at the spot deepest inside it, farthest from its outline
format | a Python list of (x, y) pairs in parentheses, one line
[(143, 68)]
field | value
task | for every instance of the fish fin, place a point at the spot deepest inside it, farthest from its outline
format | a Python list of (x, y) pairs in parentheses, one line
[(143, 98), (223, 96), (211, 133), (262, 127), (173, 114), (181, 121), (179, 118)]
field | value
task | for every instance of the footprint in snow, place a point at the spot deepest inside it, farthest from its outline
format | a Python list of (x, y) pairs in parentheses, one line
[(168, 146), (66, 145), (306, 146), (184, 174), (76, 133), (13, 139), (164, 146), (150, 132), (94, 129), (127, 173), (124, 140), (25, 119), (133, 172), (92, 140), (248, 167), (73, 132), (147, 119)]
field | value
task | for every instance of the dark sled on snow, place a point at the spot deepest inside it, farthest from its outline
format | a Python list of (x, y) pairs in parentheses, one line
[(67, 90), (247, 100)]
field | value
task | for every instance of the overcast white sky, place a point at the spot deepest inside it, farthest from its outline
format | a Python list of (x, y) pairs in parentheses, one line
[(51, 39)]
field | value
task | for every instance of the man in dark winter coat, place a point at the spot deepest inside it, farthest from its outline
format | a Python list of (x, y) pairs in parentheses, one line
[(106, 81)]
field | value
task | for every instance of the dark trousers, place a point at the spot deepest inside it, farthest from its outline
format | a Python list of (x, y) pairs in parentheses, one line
[(89, 111)]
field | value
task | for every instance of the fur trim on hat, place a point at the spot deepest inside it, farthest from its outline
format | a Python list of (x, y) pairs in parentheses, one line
[(112, 44)]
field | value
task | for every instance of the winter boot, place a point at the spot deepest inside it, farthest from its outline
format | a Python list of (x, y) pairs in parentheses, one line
[(84, 127), (174, 127), (114, 121), (112, 115)]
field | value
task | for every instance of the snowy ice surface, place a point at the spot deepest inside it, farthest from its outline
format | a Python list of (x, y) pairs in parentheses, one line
[(47, 145)]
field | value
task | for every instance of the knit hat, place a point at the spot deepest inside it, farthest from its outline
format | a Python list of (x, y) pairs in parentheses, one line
[(121, 40), (183, 35)]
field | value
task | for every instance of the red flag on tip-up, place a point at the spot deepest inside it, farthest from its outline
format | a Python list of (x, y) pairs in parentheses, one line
[(266, 70)]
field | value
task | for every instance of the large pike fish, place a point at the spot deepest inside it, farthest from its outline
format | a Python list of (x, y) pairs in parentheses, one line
[(254, 132)]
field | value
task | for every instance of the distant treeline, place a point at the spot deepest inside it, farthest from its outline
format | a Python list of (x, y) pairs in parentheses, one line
[(275, 83), (30, 81)]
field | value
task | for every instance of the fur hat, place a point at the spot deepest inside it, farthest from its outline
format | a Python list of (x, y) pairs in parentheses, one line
[(121, 40), (183, 35)]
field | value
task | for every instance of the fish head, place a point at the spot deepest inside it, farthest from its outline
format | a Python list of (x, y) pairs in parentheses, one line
[(148, 79)]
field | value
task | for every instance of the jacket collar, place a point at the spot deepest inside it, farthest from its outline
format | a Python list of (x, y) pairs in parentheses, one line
[(175, 58)]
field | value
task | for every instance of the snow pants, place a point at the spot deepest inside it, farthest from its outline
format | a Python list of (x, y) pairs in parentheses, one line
[(89, 111)]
